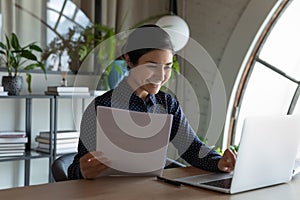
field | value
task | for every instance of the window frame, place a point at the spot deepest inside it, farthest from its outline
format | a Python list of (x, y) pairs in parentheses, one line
[(246, 73)]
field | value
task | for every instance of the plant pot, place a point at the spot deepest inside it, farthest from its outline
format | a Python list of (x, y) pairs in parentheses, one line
[(12, 84), (118, 72)]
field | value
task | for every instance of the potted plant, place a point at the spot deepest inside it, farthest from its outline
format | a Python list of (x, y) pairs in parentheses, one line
[(77, 43), (16, 59)]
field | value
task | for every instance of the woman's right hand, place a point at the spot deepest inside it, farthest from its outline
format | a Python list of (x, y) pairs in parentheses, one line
[(93, 164)]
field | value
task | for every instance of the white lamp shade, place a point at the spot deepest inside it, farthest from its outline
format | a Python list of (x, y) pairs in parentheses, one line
[(177, 28)]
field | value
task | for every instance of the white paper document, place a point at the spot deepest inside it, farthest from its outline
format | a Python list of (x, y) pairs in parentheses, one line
[(135, 142)]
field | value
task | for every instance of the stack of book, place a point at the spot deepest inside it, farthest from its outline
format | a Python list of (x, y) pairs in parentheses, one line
[(12, 143), (66, 141), (67, 91), (2, 92)]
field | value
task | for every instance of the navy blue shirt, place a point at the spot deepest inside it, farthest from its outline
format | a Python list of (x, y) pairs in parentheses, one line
[(184, 139)]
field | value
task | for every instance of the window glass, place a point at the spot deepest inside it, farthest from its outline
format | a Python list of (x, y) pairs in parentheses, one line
[(62, 19), (297, 111), (52, 17), (297, 108), (282, 47), (70, 17), (83, 19), (64, 25), (55, 4), (69, 10), (267, 92), (0, 27)]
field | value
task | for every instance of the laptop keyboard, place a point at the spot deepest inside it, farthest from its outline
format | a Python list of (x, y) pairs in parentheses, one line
[(223, 183)]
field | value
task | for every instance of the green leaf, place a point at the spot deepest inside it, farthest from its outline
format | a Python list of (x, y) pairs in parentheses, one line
[(42, 66), (28, 81), (7, 42), (35, 65), (35, 47), (175, 65), (219, 151), (204, 140), (31, 66), (3, 46), (15, 42), (27, 54), (13, 61), (236, 147), (83, 52)]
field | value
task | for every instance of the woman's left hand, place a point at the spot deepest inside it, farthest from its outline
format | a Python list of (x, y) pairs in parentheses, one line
[(227, 162)]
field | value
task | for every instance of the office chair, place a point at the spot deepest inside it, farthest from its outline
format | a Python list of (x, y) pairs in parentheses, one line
[(60, 167), (61, 164)]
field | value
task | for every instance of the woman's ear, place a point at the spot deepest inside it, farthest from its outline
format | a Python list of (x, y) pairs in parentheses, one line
[(127, 59)]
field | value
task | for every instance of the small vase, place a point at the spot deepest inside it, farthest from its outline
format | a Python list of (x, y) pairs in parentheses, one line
[(12, 84)]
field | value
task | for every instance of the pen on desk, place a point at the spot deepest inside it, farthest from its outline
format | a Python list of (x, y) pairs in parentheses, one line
[(168, 181)]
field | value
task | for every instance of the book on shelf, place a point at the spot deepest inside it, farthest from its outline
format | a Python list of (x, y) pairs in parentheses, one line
[(12, 151), (12, 154), (16, 145), (68, 93), (4, 93), (12, 134), (67, 89), (61, 134), (12, 146), (58, 146), (58, 141), (14, 140), (58, 151)]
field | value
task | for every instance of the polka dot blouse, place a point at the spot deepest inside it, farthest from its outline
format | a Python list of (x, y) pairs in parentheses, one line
[(184, 139)]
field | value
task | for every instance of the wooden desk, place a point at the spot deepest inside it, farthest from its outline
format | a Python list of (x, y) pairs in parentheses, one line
[(114, 188)]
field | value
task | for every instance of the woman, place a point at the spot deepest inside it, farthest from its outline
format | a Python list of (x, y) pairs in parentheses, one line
[(149, 55)]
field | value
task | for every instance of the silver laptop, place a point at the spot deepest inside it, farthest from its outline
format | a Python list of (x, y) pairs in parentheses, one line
[(266, 156)]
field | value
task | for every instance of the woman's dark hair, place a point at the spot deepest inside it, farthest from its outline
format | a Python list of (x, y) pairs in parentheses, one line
[(144, 39)]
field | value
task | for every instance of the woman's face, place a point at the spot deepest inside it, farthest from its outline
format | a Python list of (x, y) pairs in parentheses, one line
[(151, 72)]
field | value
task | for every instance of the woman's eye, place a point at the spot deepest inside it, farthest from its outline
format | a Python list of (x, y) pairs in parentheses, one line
[(168, 67), (158, 66), (152, 66)]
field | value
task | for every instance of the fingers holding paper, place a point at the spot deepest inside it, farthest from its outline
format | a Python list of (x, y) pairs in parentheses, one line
[(93, 164), (227, 162)]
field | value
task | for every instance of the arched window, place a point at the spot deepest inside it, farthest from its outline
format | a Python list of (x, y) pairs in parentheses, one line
[(270, 80), (62, 15)]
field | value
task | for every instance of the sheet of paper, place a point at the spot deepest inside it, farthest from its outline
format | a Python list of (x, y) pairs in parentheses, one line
[(134, 142)]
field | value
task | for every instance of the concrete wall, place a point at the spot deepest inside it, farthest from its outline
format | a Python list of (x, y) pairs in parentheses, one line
[(226, 30)]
